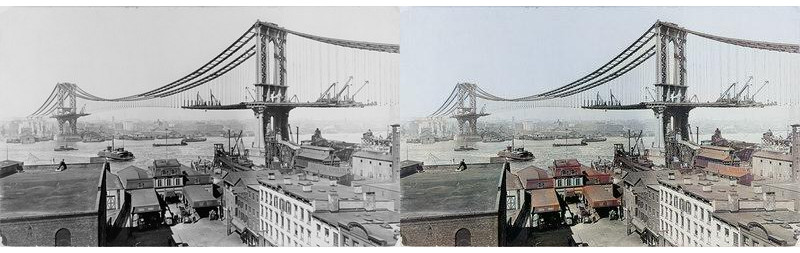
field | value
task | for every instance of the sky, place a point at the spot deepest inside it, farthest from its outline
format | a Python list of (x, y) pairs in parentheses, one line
[(516, 51), (118, 51)]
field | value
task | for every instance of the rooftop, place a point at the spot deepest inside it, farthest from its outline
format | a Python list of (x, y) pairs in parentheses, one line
[(726, 170), (472, 191), (373, 155), (113, 182), (375, 223), (648, 177), (408, 163), (512, 181), (8, 163), (319, 189), (233, 178), (166, 163), (532, 173), (773, 155), (326, 170), (42, 191), (780, 225), (716, 189)]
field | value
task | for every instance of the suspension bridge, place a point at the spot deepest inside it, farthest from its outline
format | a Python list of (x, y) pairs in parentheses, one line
[(654, 73), (255, 73)]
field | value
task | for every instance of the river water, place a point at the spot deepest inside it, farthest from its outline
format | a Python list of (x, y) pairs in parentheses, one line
[(442, 152), (42, 152)]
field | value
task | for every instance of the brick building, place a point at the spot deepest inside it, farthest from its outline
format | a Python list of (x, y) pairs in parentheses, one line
[(772, 165), (44, 207), (469, 209)]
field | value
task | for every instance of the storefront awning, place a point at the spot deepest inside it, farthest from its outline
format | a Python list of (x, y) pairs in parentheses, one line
[(544, 201), (197, 197), (144, 201)]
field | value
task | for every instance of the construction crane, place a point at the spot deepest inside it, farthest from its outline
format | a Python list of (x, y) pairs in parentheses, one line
[(351, 98)]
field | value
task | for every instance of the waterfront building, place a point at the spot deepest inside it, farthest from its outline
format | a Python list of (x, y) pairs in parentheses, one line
[(45, 207), (316, 154), (641, 204), (764, 228), (300, 211), (469, 209), (772, 165), (515, 198), (568, 177), (539, 184), (373, 165), (232, 183), (341, 175), (740, 174), (689, 209), (795, 150), (167, 178), (715, 154)]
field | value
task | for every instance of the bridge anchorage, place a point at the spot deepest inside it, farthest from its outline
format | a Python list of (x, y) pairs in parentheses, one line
[(660, 54)]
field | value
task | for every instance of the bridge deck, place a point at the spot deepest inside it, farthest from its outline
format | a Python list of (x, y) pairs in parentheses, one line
[(250, 105), (650, 105)]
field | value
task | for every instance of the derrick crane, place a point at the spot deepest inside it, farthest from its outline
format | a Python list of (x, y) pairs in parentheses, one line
[(351, 98)]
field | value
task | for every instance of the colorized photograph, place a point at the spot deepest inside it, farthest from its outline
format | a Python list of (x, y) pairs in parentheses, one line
[(600, 126)]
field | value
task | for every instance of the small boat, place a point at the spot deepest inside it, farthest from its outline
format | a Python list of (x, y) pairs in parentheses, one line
[(464, 148), (182, 143), (64, 148)]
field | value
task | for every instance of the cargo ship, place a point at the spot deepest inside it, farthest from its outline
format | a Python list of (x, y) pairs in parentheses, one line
[(194, 139), (594, 139), (64, 148), (182, 143)]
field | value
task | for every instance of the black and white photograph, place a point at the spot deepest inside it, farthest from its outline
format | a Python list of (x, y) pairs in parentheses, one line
[(499, 124)]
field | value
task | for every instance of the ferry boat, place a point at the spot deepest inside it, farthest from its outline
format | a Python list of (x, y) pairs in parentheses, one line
[(516, 154), (116, 154)]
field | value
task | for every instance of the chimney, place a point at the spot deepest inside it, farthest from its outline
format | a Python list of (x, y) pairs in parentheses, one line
[(687, 181), (369, 201), (332, 182), (301, 177), (707, 188), (672, 176), (795, 151), (357, 189), (757, 189), (287, 181), (732, 182), (733, 202), (307, 188), (769, 201), (333, 202), (395, 151), (271, 176), (315, 178)]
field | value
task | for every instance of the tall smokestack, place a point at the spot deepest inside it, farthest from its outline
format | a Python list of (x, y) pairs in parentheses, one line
[(395, 152), (795, 151)]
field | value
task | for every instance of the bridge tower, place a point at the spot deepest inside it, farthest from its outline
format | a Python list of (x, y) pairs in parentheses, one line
[(67, 113), (467, 114), (671, 108), (271, 106), (795, 151)]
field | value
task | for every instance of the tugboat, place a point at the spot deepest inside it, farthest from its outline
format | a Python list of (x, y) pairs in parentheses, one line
[(64, 148), (464, 148), (116, 154), (516, 154)]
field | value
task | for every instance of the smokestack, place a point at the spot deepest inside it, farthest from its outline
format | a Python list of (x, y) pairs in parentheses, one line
[(795, 151), (357, 189), (395, 151)]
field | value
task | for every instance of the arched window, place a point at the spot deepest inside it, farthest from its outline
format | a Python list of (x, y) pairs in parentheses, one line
[(63, 237), (463, 237)]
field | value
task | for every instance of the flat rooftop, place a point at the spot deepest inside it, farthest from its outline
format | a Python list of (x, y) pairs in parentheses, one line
[(719, 188), (440, 190), (41, 191), (319, 189)]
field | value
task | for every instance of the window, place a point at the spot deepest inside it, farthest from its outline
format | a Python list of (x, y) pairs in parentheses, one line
[(463, 237), (111, 202), (511, 202), (63, 237)]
